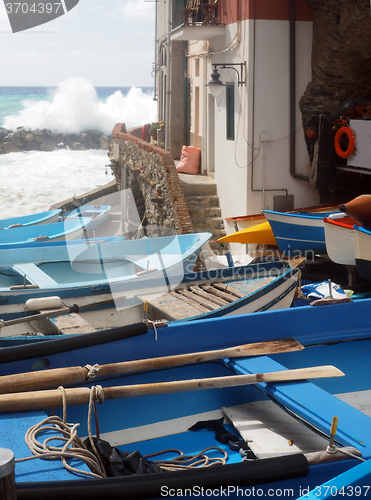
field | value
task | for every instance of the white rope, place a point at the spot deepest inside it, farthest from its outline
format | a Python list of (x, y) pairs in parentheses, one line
[(92, 371), (73, 446), (185, 462)]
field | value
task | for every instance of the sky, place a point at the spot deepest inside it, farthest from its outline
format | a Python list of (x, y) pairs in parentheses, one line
[(109, 42)]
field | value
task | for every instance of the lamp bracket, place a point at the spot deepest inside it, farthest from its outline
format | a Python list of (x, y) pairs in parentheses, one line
[(241, 79)]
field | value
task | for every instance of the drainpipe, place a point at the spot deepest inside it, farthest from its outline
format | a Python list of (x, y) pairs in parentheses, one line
[(293, 95), (168, 71), (185, 94), (156, 54)]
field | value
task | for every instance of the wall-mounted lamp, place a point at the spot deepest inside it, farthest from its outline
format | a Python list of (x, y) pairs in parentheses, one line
[(215, 84)]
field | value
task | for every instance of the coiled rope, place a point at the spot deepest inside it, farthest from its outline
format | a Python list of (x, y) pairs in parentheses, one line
[(184, 462), (74, 447)]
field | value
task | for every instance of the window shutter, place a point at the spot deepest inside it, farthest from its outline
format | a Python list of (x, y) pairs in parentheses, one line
[(230, 111)]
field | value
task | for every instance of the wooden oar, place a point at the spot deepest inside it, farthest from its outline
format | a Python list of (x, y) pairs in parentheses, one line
[(57, 312), (39, 400), (45, 379)]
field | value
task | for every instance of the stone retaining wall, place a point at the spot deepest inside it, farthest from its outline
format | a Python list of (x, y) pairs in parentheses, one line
[(152, 176)]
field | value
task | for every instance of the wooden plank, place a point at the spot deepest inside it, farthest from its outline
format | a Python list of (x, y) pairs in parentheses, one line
[(71, 324), (191, 302), (202, 293), (228, 297), (172, 305), (271, 432), (226, 288), (199, 300)]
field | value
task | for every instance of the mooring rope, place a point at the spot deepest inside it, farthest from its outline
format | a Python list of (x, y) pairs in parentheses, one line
[(74, 448)]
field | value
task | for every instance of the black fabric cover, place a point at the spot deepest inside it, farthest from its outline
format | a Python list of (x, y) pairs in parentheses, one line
[(121, 463)]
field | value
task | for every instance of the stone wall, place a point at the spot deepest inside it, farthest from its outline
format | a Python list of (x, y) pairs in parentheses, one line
[(27, 139), (152, 176), (341, 56)]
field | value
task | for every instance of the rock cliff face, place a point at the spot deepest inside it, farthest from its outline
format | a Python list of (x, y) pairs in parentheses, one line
[(341, 56), (25, 139)]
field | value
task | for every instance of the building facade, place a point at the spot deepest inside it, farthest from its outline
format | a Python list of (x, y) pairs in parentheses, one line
[(249, 129)]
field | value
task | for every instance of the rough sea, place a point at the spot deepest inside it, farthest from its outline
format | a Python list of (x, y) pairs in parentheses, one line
[(33, 181)]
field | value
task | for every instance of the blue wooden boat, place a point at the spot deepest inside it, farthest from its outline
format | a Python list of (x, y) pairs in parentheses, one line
[(282, 428), (353, 482), (97, 214), (31, 219), (55, 231), (299, 232), (200, 295), (80, 272), (362, 250)]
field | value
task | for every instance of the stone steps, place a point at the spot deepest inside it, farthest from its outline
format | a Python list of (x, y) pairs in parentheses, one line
[(200, 193), (201, 212), (206, 201)]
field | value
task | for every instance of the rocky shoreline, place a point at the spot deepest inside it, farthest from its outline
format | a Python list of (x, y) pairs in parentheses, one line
[(27, 139)]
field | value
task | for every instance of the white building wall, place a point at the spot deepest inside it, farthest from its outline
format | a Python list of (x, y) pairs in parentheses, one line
[(235, 161)]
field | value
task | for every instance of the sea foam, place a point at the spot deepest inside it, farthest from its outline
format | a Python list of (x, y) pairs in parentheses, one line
[(75, 107), (33, 181)]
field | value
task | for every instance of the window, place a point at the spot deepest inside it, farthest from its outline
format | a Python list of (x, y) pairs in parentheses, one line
[(230, 111)]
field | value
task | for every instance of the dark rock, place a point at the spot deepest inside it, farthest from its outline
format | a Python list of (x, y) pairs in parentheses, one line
[(29, 137), (9, 147), (17, 141), (48, 144), (32, 146)]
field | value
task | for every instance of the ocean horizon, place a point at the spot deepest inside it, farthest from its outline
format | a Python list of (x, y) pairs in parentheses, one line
[(32, 181), (75, 104)]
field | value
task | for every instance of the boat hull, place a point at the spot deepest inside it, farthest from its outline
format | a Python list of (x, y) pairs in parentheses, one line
[(298, 232), (81, 272), (339, 236), (32, 219), (38, 233), (362, 245), (260, 234), (261, 287), (161, 421)]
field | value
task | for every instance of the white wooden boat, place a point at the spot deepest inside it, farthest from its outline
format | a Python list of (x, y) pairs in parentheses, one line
[(339, 237), (202, 295), (98, 214), (362, 245)]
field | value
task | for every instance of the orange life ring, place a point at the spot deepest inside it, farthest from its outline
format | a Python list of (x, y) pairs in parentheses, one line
[(352, 142)]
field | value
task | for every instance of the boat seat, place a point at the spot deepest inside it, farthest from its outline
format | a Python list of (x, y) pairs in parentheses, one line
[(36, 275), (271, 432), (72, 323)]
